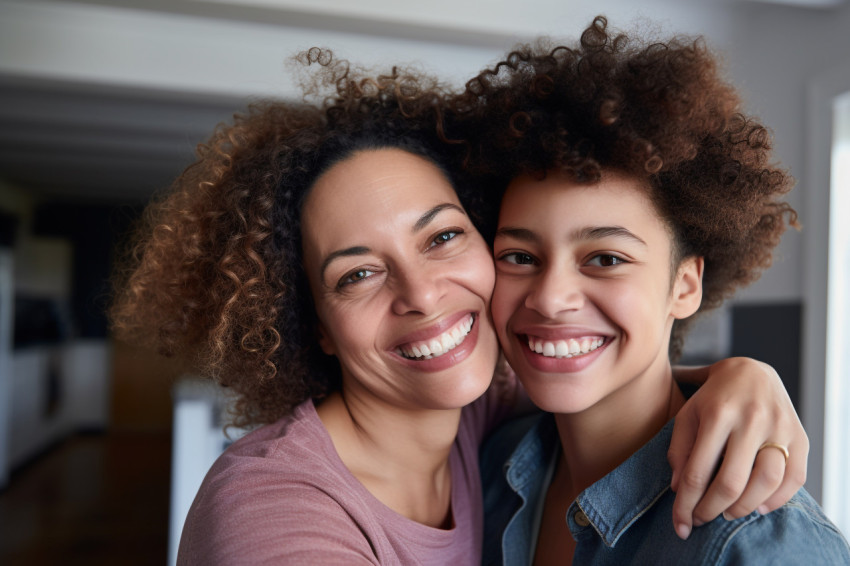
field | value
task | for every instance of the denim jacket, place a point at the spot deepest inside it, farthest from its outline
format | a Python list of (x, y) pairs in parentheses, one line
[(626, 517)]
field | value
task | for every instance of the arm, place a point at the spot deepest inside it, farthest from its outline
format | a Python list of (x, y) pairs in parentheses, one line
[(741, 405)]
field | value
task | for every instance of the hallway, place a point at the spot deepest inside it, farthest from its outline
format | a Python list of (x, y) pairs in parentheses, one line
[(94, 499)]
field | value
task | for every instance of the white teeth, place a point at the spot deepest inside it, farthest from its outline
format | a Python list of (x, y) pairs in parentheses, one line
[(438, 346), (564, 348)]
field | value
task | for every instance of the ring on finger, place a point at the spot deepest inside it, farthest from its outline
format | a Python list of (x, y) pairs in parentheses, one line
[(782, 448)]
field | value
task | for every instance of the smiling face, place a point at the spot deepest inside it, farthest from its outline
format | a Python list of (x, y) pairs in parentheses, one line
[(401, 280), (585, 298)]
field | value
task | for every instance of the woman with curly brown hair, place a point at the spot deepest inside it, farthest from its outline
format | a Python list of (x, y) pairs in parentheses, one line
[(640, 196), (320, 263)]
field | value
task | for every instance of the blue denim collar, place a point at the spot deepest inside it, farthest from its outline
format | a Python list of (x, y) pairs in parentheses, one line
[(616, 501), (613, 503)]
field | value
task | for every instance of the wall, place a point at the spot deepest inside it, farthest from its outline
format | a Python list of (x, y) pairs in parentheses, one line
[(778, 53)]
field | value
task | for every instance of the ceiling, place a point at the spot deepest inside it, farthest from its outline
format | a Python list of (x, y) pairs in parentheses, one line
[(65, 141)]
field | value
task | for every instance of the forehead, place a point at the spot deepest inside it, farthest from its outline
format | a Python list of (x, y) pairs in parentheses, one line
[(616, 198), (372, 192)]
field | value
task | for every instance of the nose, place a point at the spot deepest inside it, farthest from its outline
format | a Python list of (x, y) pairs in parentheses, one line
[(416, 291), (556, 290)]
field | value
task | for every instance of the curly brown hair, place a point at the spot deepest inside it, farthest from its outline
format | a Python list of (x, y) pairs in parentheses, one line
[(214, 274), (656, 111)]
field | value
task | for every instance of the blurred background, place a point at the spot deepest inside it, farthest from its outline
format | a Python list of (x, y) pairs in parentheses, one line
[(102, 103)]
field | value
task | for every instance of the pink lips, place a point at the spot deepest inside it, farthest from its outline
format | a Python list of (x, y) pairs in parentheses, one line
[(560, 360), (448, 359)]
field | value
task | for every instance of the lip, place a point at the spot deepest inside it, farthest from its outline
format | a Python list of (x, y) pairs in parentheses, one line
[(449, 359), (434, 330), (560, 365), (557, 332)]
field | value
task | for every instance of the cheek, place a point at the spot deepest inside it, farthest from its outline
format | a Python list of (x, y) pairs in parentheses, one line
[(347, 326), (634, 308), (507, 297), (480, 273)]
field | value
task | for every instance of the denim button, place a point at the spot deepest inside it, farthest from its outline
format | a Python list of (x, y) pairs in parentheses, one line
[(581, 519)]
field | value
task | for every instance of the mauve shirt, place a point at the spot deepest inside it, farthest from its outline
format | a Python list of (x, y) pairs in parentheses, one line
[(281, 495)]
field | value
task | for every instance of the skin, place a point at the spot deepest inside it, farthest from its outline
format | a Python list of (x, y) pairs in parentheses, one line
[(394, 262), (592, 264)]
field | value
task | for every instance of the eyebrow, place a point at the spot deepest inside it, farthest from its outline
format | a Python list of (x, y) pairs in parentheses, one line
[(426, 218), (589, 233), (354, 250), (421, 223), (599, 232), (521, 234)]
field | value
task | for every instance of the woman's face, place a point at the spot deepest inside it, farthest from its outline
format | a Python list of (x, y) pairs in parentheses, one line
[(585, 298), (401, 281)]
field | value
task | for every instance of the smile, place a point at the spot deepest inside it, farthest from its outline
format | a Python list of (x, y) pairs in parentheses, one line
[(569, 348), (439, 345)]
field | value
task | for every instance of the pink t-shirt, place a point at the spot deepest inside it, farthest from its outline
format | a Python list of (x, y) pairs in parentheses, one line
[(281, 495)]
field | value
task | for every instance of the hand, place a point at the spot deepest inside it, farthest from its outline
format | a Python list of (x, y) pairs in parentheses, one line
[(742, 405)]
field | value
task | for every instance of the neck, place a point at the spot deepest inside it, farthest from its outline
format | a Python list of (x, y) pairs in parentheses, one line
[(401, 456), (600, 438)]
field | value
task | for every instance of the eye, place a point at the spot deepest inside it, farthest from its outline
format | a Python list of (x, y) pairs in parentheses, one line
[(444, 237), (354, 277), (606, 260), (517, 258)]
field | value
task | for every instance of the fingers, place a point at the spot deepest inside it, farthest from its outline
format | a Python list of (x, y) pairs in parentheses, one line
[(732, 416), (681, 444), (767, 475), (750, 478), (735, 474), (771, 463), (795, 473), (694, 454)]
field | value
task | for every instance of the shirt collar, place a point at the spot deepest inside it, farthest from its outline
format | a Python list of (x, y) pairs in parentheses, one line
[(616, 501), (613, 503)]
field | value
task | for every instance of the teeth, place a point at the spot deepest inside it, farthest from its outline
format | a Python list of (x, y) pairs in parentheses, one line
[(438, 346), (564, 348)]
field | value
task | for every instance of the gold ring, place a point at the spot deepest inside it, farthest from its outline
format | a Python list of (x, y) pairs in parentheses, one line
[(779, 447)]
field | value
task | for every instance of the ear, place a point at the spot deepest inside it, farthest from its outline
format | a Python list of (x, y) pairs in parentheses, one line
[(325, 342), (687, 289)]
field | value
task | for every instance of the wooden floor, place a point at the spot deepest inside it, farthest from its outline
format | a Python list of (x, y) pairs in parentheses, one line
[(93, 499)]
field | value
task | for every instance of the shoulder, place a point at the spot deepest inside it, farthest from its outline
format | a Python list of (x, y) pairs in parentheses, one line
[(797, 533), (274, 493)]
